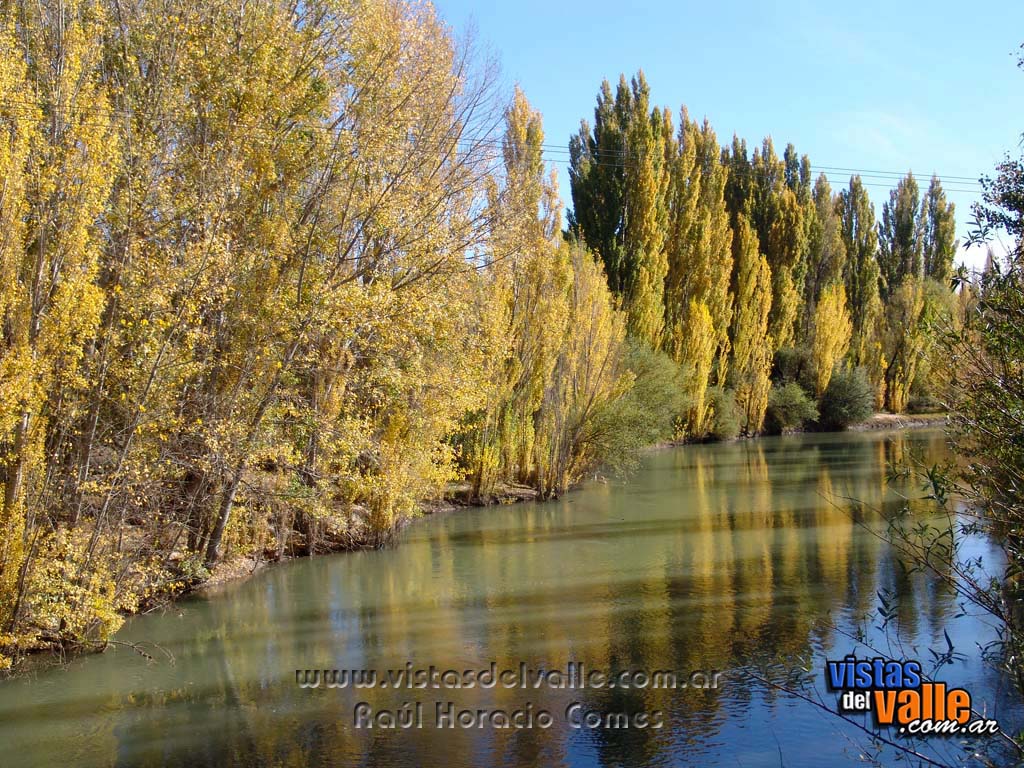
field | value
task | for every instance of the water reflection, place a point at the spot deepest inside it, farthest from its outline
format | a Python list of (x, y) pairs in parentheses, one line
[(712, 557)]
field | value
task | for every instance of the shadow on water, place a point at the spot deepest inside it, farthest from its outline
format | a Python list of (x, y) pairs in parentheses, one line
[(710, 558)]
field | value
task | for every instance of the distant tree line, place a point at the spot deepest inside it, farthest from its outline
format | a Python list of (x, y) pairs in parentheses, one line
[(747, 272)]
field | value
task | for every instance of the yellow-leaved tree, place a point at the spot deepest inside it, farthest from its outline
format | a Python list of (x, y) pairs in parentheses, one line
[(785, 247), (527, 283), (697, 353), (59, 153), (832, 332), (751, 343), (698, 304), (18, 125), (589, 375), (906, 341)]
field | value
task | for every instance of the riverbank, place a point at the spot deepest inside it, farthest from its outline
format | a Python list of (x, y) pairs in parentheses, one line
[(877, 421), (239, 567), (457, 498), (901, 421)]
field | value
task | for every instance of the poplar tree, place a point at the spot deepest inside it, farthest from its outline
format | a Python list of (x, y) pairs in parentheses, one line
[(588, 378), (19, 392), (646, 215), (713, 240), (779, 220), (906, 341), (751, 343), (832, 330), (826, 251), (900, 236), (861, 272), (697, 298), (619, 178), (58, 154), (683, 204), (939, 244), (528, 286), (786, 254), (597, 173)]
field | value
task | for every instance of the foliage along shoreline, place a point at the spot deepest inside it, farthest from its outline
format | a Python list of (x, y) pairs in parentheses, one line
[(271, 275), (234, 571), (458, 500)]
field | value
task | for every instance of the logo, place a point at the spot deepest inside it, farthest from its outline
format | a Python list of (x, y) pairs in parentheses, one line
[(898, 696)]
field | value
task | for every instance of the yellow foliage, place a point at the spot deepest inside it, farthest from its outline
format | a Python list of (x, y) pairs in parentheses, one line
[(646, 186), (751, 343), (906, 341), (832, 332), (785, 246), (699, 245), (261, 284), (697, 356), (57, 163), (588, 375)]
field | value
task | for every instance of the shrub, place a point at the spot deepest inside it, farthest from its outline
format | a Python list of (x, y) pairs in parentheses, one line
[(793, 364), (725, 416), (642, 416), (849, 399), (788, 407)]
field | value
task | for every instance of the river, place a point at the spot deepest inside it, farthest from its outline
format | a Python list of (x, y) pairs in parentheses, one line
[(718, 558)]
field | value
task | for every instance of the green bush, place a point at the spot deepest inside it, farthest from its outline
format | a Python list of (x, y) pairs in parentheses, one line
[(644, 415), (849, 399), (725, 416), (788, 407), (793, 364)]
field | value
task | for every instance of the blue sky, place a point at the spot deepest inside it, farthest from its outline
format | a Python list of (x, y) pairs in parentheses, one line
[(880, 86)]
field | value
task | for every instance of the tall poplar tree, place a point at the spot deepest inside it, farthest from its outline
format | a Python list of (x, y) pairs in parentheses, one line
[(826, 251), (619, 177), (683, 204), (597, 180), (751, 343), (646, 215), (779, 220), (20, 398), (786, 254), (58, 154), (939, 243), (697, 297), (900, 241), (861, 273), (528, 282)]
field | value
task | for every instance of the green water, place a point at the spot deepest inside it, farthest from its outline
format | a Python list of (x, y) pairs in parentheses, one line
[(710, 558)]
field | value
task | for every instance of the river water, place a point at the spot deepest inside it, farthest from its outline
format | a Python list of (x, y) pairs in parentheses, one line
[(719, 558)]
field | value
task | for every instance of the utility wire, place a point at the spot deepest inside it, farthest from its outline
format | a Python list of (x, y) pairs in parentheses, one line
[(605, 158)]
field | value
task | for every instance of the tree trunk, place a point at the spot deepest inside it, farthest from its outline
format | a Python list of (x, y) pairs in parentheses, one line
[(223, 515)]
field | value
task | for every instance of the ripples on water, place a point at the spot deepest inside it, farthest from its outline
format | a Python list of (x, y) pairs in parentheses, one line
[(711, 557)]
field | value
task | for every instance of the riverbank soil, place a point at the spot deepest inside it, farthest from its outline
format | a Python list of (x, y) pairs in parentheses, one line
[(901, 421)]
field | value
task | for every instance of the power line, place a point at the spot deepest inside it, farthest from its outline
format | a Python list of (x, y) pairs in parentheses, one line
[(877, 183), (618, 159), (619, 154), (865, 172)]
